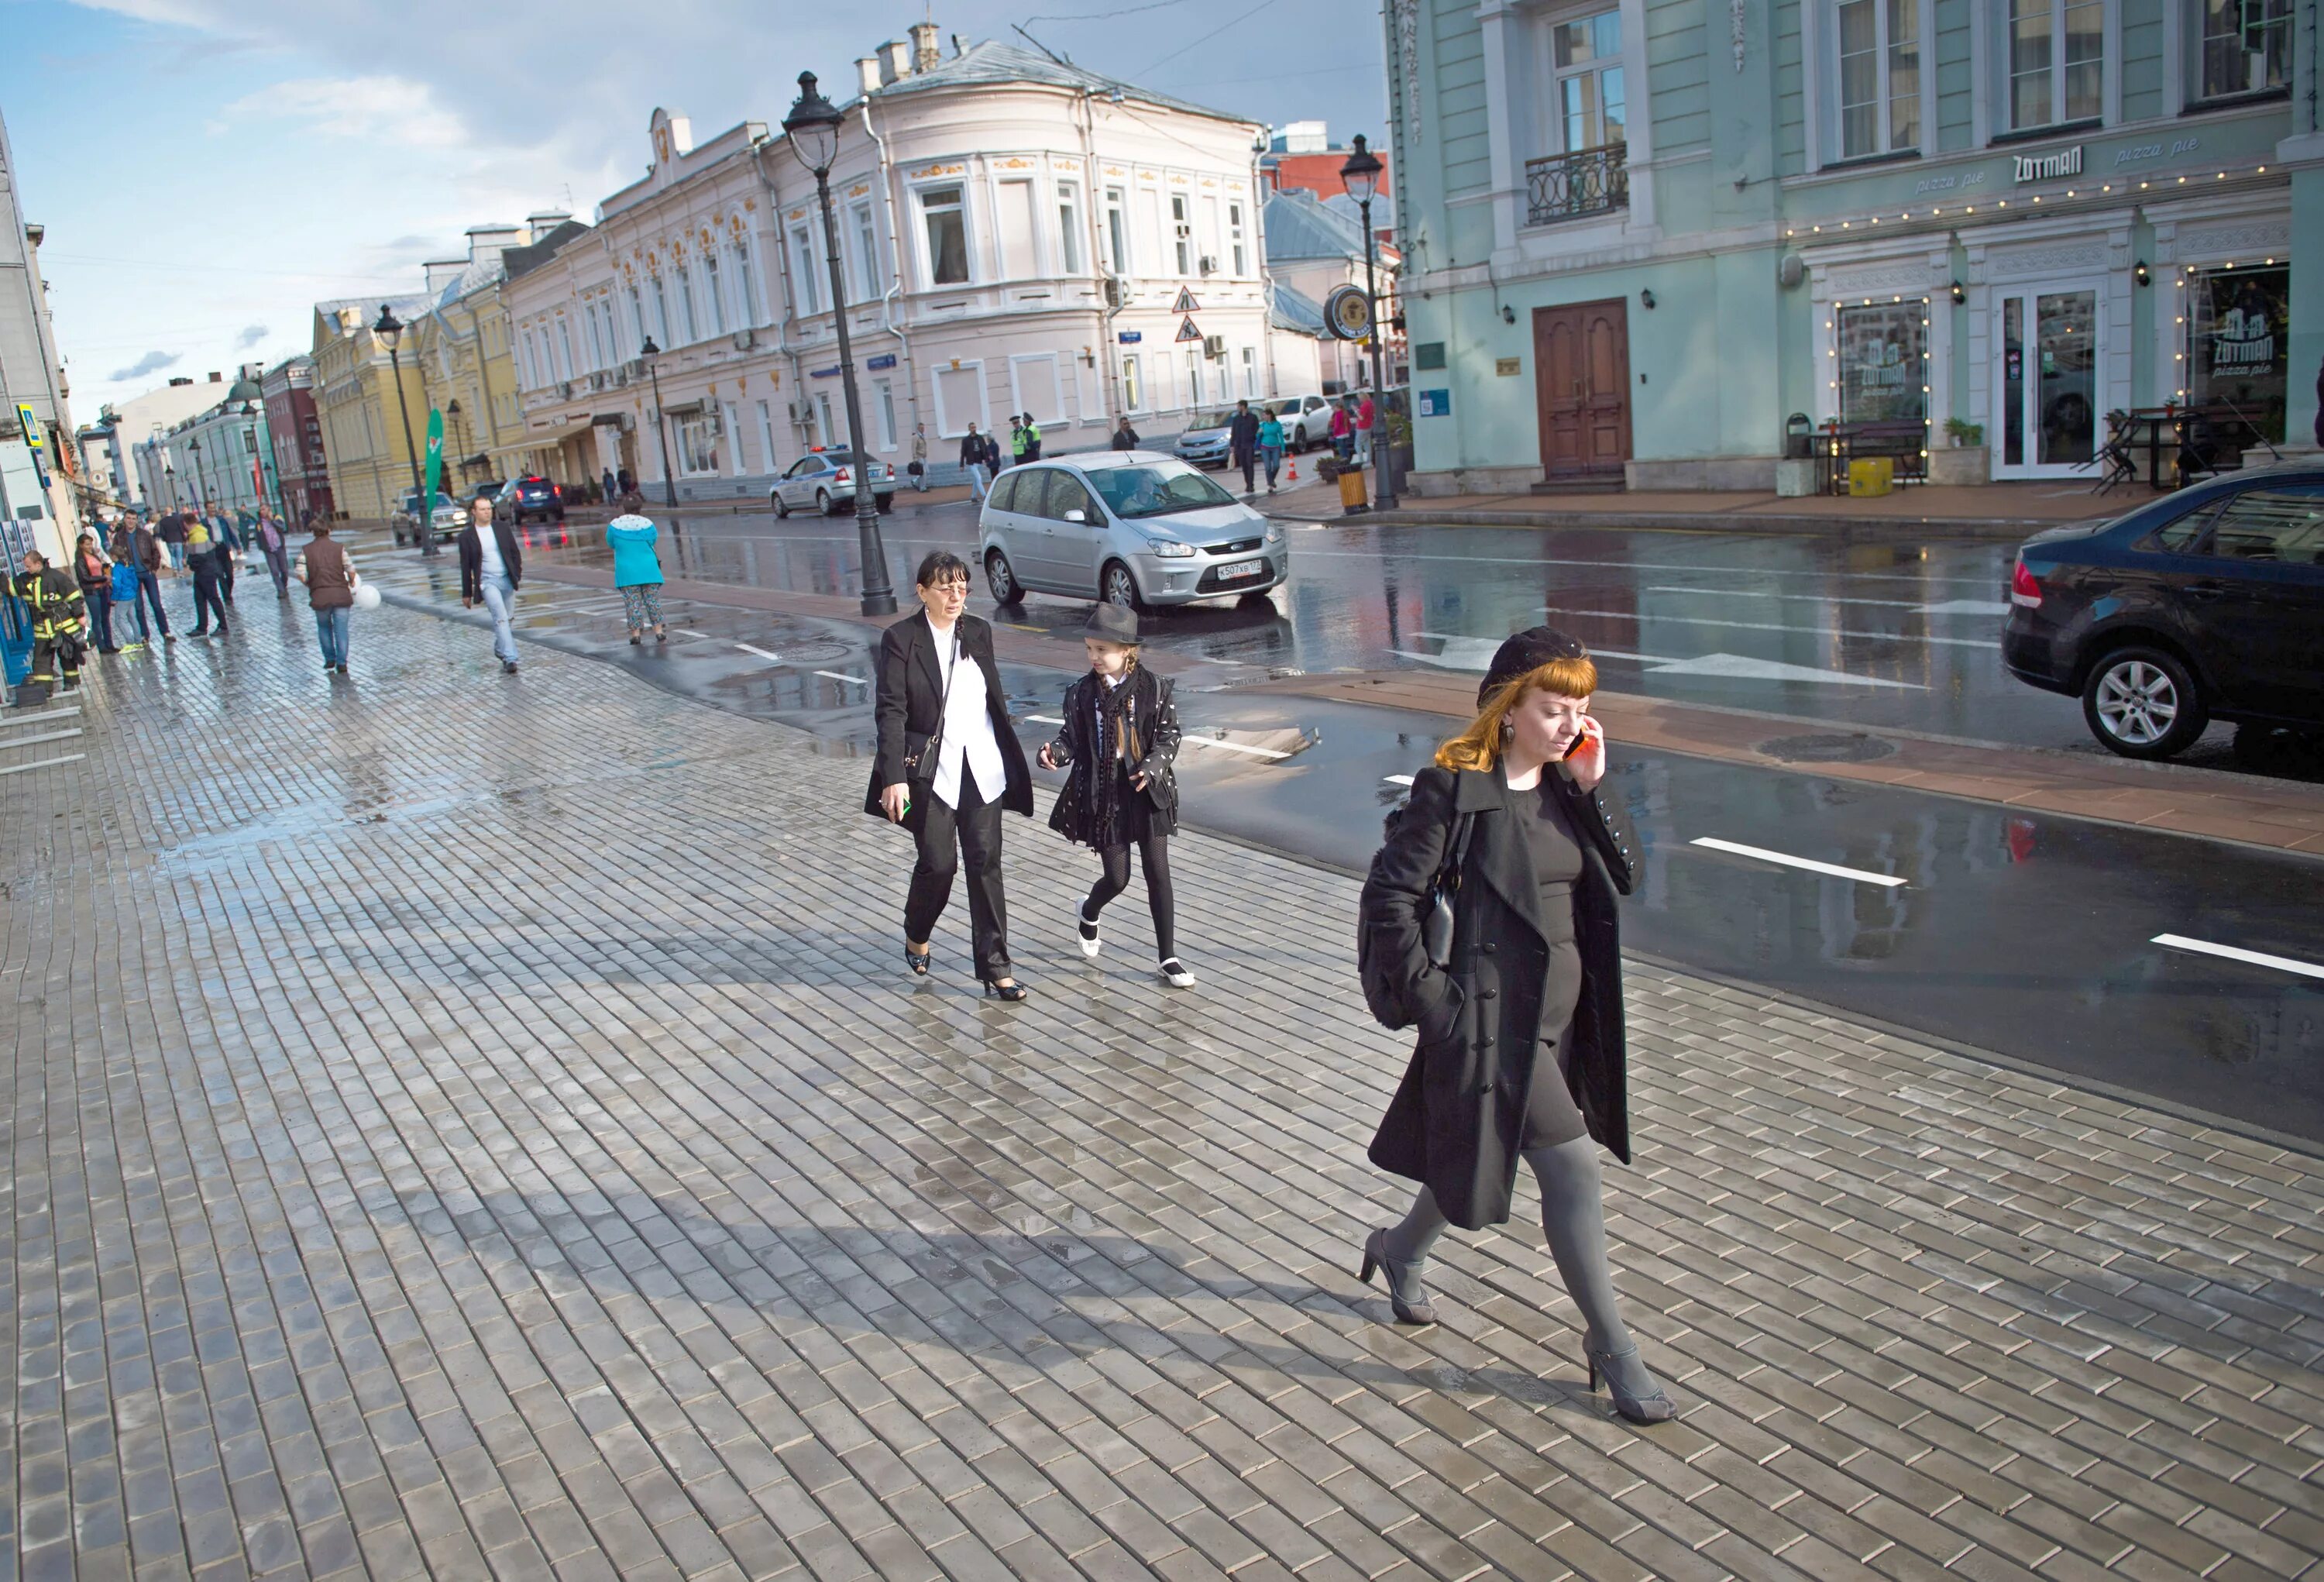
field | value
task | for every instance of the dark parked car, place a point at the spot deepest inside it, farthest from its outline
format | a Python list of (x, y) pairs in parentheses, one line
[(533, 496), (2204, 604)]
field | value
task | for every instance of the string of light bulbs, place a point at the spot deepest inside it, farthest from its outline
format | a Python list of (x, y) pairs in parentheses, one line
[(2083, 193)]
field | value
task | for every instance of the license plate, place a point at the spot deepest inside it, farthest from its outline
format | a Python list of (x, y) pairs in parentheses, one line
[(1241, 568)]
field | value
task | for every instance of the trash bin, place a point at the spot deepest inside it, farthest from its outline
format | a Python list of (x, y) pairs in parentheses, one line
[(1870, 476), (1797, 431), (1352, 499)]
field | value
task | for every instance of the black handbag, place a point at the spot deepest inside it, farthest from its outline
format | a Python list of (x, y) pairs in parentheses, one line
[(1436, 928)]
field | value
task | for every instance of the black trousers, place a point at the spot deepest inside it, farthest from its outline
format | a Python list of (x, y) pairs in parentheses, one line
[(1247, 459), (225, 559), (1153, 857), (205, 596), (948, 839)]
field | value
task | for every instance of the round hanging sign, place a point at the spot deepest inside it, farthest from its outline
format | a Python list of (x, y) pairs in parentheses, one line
[(1348, 312)]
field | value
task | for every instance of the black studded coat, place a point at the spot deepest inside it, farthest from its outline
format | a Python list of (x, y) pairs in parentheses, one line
[(1458, 1116)]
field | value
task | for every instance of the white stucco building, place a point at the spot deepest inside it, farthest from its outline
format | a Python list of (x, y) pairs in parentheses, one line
[(1015, 236)]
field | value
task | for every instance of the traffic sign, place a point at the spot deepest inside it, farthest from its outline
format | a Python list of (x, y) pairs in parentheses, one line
[(1185, 304), (1186, 331), (31, 420)]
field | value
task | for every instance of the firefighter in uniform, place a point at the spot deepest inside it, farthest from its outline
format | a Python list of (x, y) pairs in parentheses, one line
[(54, 598)]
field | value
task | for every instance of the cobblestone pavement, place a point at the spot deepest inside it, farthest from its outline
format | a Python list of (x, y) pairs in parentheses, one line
[(473, 1126)]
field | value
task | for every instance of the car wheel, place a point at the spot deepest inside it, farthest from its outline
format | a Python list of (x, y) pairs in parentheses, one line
[(822, 501), (1001, 578), (2142, 703), (1116, 585), (782, 506)]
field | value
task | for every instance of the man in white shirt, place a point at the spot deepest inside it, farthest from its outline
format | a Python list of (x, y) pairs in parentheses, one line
[(948, 765), (490, 568)]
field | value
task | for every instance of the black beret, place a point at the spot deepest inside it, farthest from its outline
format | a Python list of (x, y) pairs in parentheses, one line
[(1524, 653)]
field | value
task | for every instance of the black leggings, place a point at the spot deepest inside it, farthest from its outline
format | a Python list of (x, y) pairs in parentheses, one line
[(1154, 857)]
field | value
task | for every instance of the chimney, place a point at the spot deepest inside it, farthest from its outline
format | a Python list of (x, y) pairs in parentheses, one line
[(925, 57), (959, 46), (541, 221), (487, 243), (895, 61), (181, 379), (442, 272), (867, 74), (217, 378)]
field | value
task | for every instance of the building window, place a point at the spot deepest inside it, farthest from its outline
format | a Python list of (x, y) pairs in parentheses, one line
[(746, 284), (803, 282), (1884, 367), (2246, 47), (1235, 238), (947, 228), (1132, 398), (1182, 231), (531, 377), (1586, 54), (1195, 377), (638, 317), (1117, 229), (1880, 77), (885, 402), (766, 437), (697, 446), (564, 349), (2239, 344), (2057, 61), (660, 311), (1251, 372), (867, 252), (710, 289), (686, 318), (1069, 226)]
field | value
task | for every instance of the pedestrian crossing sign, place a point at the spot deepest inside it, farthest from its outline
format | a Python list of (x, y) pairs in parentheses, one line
[(1185, 304), (1186, 331), (31, 420)]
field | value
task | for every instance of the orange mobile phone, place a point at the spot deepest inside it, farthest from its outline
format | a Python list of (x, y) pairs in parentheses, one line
[(1579, 742)]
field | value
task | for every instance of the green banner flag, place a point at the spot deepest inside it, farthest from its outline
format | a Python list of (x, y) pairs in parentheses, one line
[(435, 460)]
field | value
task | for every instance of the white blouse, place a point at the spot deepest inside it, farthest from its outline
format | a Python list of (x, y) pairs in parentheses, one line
[(967, 736)]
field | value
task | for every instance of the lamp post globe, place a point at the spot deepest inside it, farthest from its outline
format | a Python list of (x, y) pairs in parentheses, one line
[(389, 329), (1361, 176), (650, 351), (812, 129)]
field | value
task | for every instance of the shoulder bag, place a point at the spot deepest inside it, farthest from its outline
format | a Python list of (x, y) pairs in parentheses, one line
[(1436, 928), (927, 755)]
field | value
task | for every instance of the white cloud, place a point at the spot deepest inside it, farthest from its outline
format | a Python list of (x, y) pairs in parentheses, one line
[(369, 109), (151, 363)]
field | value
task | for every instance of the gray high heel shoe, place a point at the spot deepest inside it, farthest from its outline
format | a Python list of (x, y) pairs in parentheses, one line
[(1638, 1408), (1406, 1294)]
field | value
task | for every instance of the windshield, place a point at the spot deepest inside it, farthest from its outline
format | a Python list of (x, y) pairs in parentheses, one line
[(1212, 420), (1131, 492)]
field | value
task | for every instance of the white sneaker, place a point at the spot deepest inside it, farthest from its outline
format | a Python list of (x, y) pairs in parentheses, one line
[(1174, 972), (1087, 931)]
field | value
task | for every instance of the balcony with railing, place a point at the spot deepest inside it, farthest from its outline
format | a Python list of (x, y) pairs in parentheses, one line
[(1569, 185)]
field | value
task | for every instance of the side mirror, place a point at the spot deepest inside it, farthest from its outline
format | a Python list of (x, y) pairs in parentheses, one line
[(1076, 514)]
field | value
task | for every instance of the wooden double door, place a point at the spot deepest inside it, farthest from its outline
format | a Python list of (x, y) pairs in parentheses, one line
[(1581, 385)]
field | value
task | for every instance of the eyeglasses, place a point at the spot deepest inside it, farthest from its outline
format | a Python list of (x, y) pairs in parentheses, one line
[(958, 587)]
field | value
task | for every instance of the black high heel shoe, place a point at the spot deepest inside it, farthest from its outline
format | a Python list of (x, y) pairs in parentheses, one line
[(1404, 1293), (1010, 991), (1638, 1408), (917, 960)]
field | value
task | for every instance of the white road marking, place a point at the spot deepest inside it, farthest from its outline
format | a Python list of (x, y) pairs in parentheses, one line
[(1765, 855), (1634, 616), (36, 718), (836, 676), (43, 763), (1398, 779), (1476, 654), (2236, 953), (1190, 741), (1657, 567), (1044, 719), (1952, 606), (772, 659), (1968, 607)]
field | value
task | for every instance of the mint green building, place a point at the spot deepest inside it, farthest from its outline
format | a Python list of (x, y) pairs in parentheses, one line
[(1639, 236)]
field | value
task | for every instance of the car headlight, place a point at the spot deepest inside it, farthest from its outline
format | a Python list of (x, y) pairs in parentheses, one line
[(1274, 533), (1172, 549)]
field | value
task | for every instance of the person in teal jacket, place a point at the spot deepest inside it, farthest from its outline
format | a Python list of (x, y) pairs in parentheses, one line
[(1271, 445), (637, 569)]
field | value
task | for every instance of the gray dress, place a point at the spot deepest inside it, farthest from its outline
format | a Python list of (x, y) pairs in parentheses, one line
[(1552, 1117)]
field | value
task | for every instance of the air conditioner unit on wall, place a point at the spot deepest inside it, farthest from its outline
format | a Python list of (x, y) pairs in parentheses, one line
[(1210, 265), (1215, 346), (1114, 290), (746, 338)]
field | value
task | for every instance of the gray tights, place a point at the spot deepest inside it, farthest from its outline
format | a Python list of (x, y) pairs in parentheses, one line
[(1572, 1221)]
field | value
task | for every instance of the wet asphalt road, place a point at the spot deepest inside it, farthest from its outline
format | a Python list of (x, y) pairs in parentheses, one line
[(2030, 936)]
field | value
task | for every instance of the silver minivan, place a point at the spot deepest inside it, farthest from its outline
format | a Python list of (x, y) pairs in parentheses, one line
[(1130, 527)]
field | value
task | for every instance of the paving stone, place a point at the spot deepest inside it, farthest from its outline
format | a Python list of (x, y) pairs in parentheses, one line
[(475, 1126)]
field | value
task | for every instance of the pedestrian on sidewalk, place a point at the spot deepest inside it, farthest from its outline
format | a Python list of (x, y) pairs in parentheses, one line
[(94, 575), (225, 546), (1016, 457), (1242, 443), (1271, 446), (919, 464), (605, 489), (490, 568), (637, 569), (128, 582), (275, 545), (623, 482), (1366, 415), (329, 574), (202, 558), (1125, 438), (53, 595), (172, 534), (1519, 1006), (1344, 431), (991, 460), (972, 462), (1121, 740), (948, 766), (1032, 439), (145, 553)]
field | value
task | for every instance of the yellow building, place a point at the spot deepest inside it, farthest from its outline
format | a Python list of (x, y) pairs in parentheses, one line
[(365, 433), (461, 348)]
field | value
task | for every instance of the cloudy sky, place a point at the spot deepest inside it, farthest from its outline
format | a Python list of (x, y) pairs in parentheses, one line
[(208, 169)]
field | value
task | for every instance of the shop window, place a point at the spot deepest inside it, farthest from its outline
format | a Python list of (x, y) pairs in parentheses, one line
[(2056, 61), (697, 446), (1883, 362), (1880, 97), (2238, 347), (946, 227), (2243, 47)]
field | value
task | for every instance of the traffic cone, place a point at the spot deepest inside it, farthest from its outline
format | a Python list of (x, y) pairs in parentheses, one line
[(1293, 476)]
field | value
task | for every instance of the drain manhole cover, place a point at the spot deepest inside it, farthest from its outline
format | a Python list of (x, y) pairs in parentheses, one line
[(811, 651), (1831, 749)]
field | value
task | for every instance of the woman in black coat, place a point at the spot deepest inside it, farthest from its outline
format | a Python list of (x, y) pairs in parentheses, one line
[(948, 765), (1521, 1049)]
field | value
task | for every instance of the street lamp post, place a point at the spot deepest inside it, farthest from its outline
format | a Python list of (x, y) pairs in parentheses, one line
[(390, 330), (812, 129), (1360, 175), (201, 484), (650, 351)]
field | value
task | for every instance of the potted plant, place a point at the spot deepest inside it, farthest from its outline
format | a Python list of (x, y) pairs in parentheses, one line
[(1964, 460)]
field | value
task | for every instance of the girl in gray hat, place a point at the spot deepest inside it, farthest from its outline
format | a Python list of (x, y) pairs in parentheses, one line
[(1121, 738)]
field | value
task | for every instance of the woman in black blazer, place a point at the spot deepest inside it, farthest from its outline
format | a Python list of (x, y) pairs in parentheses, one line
[(948, 764), (1521, 1050)]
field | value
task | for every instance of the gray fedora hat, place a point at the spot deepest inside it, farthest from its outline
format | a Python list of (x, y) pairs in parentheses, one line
[(1114, 624)]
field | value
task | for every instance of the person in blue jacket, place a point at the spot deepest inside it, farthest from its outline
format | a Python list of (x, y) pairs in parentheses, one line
[(637, 569)]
